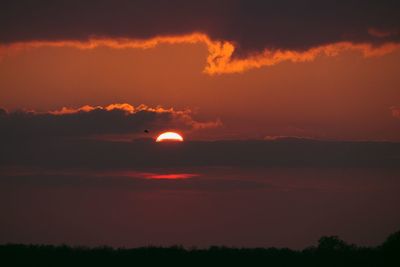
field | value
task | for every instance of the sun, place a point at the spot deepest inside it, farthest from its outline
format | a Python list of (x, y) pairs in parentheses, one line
[(169, 136)]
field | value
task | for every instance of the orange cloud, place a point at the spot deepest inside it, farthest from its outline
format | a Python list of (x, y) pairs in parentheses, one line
[(66, 110), (128, 108), (221, 57)]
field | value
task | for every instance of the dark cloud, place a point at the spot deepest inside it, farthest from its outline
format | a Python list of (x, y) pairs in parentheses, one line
[(143, 154), (288, 138), (54, 140), (3, 112), (251, 25), (115, 119)]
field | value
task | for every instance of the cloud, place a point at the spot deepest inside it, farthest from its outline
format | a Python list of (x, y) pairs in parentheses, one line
[(221, 57), (147, 156), (288, 138), (128, 180), (3, 112), (382, 33), (86, 121), (240, 35)]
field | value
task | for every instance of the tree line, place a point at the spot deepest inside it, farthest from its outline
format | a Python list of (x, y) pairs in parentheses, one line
[(330, 251)]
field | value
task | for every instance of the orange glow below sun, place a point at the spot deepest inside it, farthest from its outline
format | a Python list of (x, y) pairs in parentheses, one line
[(169, 136)]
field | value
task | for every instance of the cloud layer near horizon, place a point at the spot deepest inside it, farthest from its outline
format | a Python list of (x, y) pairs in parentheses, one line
[(87, 121), (240, 35)]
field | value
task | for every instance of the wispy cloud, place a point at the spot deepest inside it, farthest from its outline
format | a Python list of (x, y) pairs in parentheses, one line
[(221, 57), (240, 35)]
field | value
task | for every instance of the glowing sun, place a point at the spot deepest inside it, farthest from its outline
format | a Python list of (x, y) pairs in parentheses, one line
[(169, 136)]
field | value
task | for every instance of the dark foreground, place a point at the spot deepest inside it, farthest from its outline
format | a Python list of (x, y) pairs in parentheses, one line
[(331, 251)]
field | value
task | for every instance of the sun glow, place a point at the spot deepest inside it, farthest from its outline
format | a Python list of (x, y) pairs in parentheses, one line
[(169, 136)]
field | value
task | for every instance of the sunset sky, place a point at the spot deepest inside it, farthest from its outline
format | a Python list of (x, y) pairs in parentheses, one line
[(258, 89), (309, 69)]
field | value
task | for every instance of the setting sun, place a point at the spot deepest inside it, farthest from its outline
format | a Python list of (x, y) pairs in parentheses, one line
[(169, 136), (200, 131)]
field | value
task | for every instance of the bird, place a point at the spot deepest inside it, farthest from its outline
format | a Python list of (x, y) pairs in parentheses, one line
[(146, 131)]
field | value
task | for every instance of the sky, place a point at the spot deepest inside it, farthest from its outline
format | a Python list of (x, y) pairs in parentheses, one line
[(285, 107), (273, 68)]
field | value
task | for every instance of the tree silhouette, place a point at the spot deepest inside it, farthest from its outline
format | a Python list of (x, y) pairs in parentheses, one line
[(391, 249), (332, 243), (331, 251), (392, 243)]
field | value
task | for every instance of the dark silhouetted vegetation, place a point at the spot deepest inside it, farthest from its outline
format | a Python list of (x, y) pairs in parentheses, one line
[(331, 251)]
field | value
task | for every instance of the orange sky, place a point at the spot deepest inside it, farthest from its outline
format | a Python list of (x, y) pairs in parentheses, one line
[(346, 97)]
